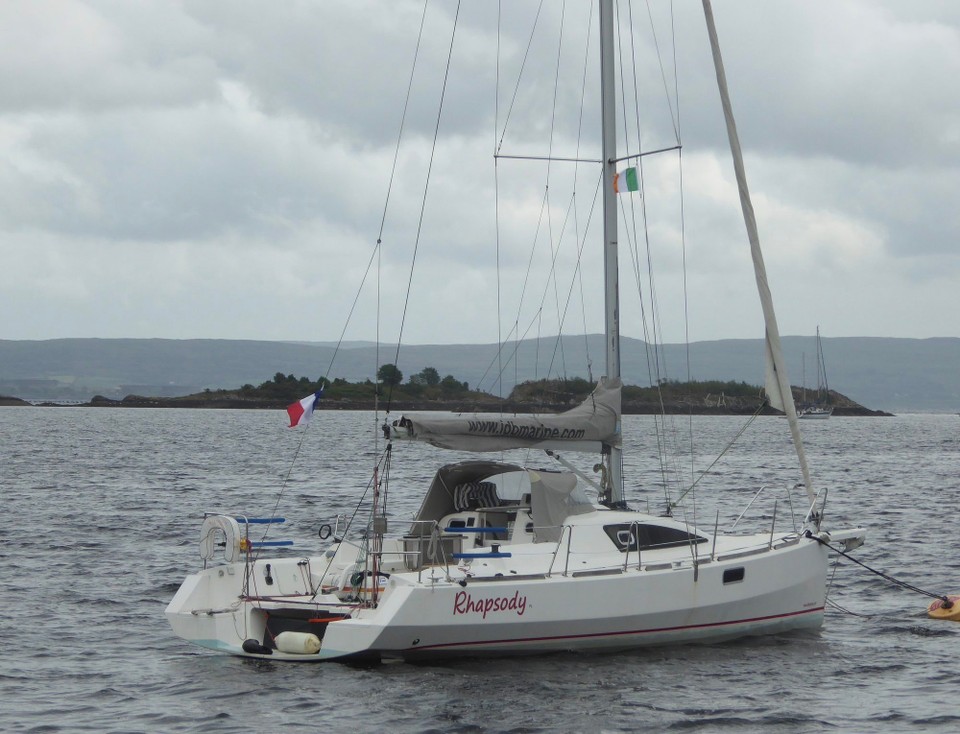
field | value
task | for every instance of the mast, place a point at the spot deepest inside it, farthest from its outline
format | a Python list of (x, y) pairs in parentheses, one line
[(610, 259), (822, 385)]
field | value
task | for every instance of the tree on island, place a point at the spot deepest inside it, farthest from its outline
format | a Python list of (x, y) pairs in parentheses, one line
[(282, 387), (389, 375), (427, 376), (451, 384)]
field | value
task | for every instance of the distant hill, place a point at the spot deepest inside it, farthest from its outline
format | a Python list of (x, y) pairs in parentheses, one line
[(897, 375)]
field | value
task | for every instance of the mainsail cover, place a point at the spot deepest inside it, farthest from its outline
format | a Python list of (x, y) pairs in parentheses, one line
[(596, 421)]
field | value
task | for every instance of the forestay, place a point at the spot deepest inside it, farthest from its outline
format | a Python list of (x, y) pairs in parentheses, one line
[(587, 427)]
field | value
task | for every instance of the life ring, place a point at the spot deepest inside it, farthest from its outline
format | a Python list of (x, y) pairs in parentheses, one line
[(214, 527), (937, 609)]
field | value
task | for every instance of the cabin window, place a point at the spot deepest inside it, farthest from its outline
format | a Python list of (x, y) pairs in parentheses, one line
[(630, 536), (733, 575)]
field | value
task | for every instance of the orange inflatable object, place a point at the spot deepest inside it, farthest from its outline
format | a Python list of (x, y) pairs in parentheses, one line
[(937, 609)]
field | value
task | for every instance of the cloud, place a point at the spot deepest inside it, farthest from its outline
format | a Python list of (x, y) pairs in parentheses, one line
[(221, 169)]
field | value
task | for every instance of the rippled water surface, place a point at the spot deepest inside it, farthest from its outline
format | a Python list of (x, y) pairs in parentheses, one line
[(101, 517)]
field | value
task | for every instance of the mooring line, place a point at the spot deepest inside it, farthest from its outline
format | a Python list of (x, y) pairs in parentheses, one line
[(947, 603)]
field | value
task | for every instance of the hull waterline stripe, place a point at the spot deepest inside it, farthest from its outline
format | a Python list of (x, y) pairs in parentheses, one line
[(615, 634)]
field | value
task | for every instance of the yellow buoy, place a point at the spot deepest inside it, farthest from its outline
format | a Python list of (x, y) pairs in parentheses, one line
[(939, 610)]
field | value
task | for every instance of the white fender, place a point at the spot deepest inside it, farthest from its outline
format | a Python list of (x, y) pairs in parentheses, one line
[(297, 643), (215, 526)]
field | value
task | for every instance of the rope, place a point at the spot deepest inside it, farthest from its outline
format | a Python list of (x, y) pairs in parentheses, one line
[(831, 603), (887, 577)]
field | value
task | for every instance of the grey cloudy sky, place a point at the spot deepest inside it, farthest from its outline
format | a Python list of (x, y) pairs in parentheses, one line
[(218, 169)]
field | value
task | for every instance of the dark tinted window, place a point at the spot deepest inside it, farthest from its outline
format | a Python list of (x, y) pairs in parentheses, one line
[(625, 536), (732, 575)]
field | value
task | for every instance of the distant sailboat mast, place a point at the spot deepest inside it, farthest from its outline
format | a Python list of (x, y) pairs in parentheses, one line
[(823, 387)]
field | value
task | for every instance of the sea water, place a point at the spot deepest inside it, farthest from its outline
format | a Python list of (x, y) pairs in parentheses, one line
[(101, 515)]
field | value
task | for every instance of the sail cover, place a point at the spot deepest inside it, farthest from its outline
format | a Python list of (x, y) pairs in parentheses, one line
[(594, 422)]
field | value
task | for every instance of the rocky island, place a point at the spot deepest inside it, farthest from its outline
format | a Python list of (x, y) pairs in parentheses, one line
[(426, 392)]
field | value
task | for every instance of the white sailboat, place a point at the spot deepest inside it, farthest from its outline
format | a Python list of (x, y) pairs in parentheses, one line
[(504, 559), (819, 409)]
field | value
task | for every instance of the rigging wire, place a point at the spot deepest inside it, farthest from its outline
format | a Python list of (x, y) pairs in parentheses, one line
[(375, 254), (720, 455), (674, 117), (496, 214), (384, 457), (572, 207), (523, 64), (423, 201), (678, 129), (512, 357), (383, 219), (668, 428), (552, 277), (579, 270), (633, 247)]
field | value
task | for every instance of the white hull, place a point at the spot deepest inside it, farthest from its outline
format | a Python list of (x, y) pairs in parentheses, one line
[(506, 560), (815, 413), (516, 605)]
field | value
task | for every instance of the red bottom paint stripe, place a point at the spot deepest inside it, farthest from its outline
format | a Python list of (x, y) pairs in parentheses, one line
[(618, 634)]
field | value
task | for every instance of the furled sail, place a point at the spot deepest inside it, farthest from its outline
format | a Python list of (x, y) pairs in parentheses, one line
[(772, 380), (777, 383), (596, 421)]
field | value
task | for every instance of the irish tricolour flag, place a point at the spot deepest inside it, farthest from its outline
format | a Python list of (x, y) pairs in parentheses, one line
[(626, 180), (301, 411)]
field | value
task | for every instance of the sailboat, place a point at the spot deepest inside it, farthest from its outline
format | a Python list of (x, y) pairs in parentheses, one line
[(820, 408), (508, 559)]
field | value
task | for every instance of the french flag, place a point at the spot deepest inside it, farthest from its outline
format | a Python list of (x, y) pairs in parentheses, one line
[(301, 411)]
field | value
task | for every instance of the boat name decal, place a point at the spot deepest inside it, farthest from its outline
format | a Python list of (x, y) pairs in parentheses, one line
[(511, 429), (466, 604)]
